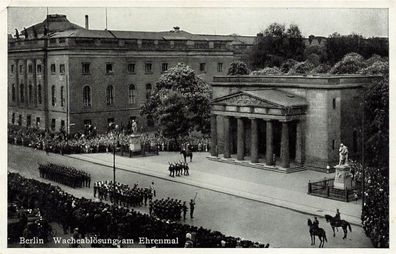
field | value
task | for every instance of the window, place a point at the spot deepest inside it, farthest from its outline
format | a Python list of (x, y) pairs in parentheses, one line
[(53, 69), (30, 91), (109, 95), (20, 120), (333, 144), (13, 118), (62, 96), (109, 68), (131, 68), (13, 95), (28, 120), (53, 124), (39, 68), (148, 90), (334, 103), (20, 68), (12, 68), (85, 68), (87, 96), (62, 69), (53, 96), (202, 67), (131, 94), (38, 121), (62, 127), (219, 67), (22, 92), (164, 67), (30, 68), (39, 93), (148, 67)]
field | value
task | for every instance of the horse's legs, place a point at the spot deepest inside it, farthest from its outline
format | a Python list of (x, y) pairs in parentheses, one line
[(345, 232), (333, 231)]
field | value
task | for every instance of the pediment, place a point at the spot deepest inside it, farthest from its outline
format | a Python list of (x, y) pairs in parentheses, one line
[(241, 99)]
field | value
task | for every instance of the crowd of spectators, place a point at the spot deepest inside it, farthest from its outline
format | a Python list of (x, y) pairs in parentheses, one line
[(375, 213), (89, 141), (110, 221), (124, 195)]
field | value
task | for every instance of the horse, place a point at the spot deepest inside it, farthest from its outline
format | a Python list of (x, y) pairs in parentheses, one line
[(316, 231), (335, 223), (187, 153)]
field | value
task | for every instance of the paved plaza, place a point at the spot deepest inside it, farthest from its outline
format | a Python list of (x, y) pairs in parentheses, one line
[(239, 201)]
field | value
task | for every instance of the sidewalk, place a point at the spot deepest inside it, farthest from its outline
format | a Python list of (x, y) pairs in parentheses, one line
[(282, 190)]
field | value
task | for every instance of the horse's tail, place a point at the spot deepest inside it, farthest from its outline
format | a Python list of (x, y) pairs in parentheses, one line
[(349, 226)]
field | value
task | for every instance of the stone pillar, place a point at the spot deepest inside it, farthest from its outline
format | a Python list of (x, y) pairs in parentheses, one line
[(227, 134), (240, 139), (269, 143), (285, 157), (299, 142), (254, 141), (213, 136)]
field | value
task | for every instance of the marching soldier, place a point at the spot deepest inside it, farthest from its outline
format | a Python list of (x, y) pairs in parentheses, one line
[(192, 206)]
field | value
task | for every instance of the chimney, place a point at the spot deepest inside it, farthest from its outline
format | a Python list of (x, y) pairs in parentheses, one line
[(177, 29), (86, 22)]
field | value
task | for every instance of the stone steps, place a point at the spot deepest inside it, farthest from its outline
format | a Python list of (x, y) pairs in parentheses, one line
[(247, 163)]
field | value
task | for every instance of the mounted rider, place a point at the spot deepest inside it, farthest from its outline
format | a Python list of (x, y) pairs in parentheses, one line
[(337, 217)]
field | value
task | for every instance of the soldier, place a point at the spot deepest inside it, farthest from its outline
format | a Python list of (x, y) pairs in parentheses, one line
[(192, 206), (184, 208)]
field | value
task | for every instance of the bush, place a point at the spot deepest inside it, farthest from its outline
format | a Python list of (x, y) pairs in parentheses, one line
[(267, 71), (321, 68), (314, 59), (238, 68), (377, 68), (287, 65), (351, 63), (302, 68)]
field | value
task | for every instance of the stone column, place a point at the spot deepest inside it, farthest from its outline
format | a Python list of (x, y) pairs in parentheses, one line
[(227, 137), (254, 141), (213, 136), (299, 142), (269, 139), (285, 157), (241, 139)]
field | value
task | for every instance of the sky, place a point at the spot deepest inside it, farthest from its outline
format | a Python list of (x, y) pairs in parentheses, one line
[(242, 21)]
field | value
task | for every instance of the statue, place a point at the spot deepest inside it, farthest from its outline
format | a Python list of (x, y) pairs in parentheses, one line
[(34, 32), (16, 33), (134, 127), (25, 32), (343, 154)]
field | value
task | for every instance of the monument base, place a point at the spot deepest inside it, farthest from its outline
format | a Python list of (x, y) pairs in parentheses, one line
[(343, 177)]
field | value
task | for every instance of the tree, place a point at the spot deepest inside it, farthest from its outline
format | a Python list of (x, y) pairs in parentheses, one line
[(351, 63), (275, 44), (238, 68), (180, 103)]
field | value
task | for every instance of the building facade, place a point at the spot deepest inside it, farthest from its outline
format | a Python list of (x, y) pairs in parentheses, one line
[(62, 76), (287, 121)]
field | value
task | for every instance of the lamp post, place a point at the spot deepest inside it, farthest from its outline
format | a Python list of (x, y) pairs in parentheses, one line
[(114, 156), (363, 148)]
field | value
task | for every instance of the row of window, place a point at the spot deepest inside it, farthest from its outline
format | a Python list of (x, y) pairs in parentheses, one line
[(38, 121), (109, 68), (36, 94), (87, 94), (148, 67), (30, 68), (53, 96)]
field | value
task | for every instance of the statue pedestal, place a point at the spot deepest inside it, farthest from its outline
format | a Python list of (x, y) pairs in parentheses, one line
[(134, 143), (343, 177)]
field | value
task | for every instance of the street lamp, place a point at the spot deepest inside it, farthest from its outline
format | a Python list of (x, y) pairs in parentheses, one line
[(363, 148), (114, 156)]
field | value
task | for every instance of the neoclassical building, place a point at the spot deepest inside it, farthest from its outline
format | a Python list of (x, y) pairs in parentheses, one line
[(286, 123)]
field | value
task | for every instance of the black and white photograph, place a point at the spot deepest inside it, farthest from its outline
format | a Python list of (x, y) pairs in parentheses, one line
[(196, 126)]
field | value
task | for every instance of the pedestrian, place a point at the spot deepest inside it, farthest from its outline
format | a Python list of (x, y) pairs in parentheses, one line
[(192, 206)]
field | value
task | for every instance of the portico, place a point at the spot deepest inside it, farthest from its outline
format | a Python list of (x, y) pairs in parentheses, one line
[(263, 124)]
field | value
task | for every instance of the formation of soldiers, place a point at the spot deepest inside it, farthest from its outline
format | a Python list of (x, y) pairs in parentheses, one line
[(171, 209), (103, 220), (65, 175), (124, 195), (178, 169)]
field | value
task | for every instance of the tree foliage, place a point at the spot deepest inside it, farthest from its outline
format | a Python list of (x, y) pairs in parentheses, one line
[(238, 68), (180, 103), (277, 44)]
